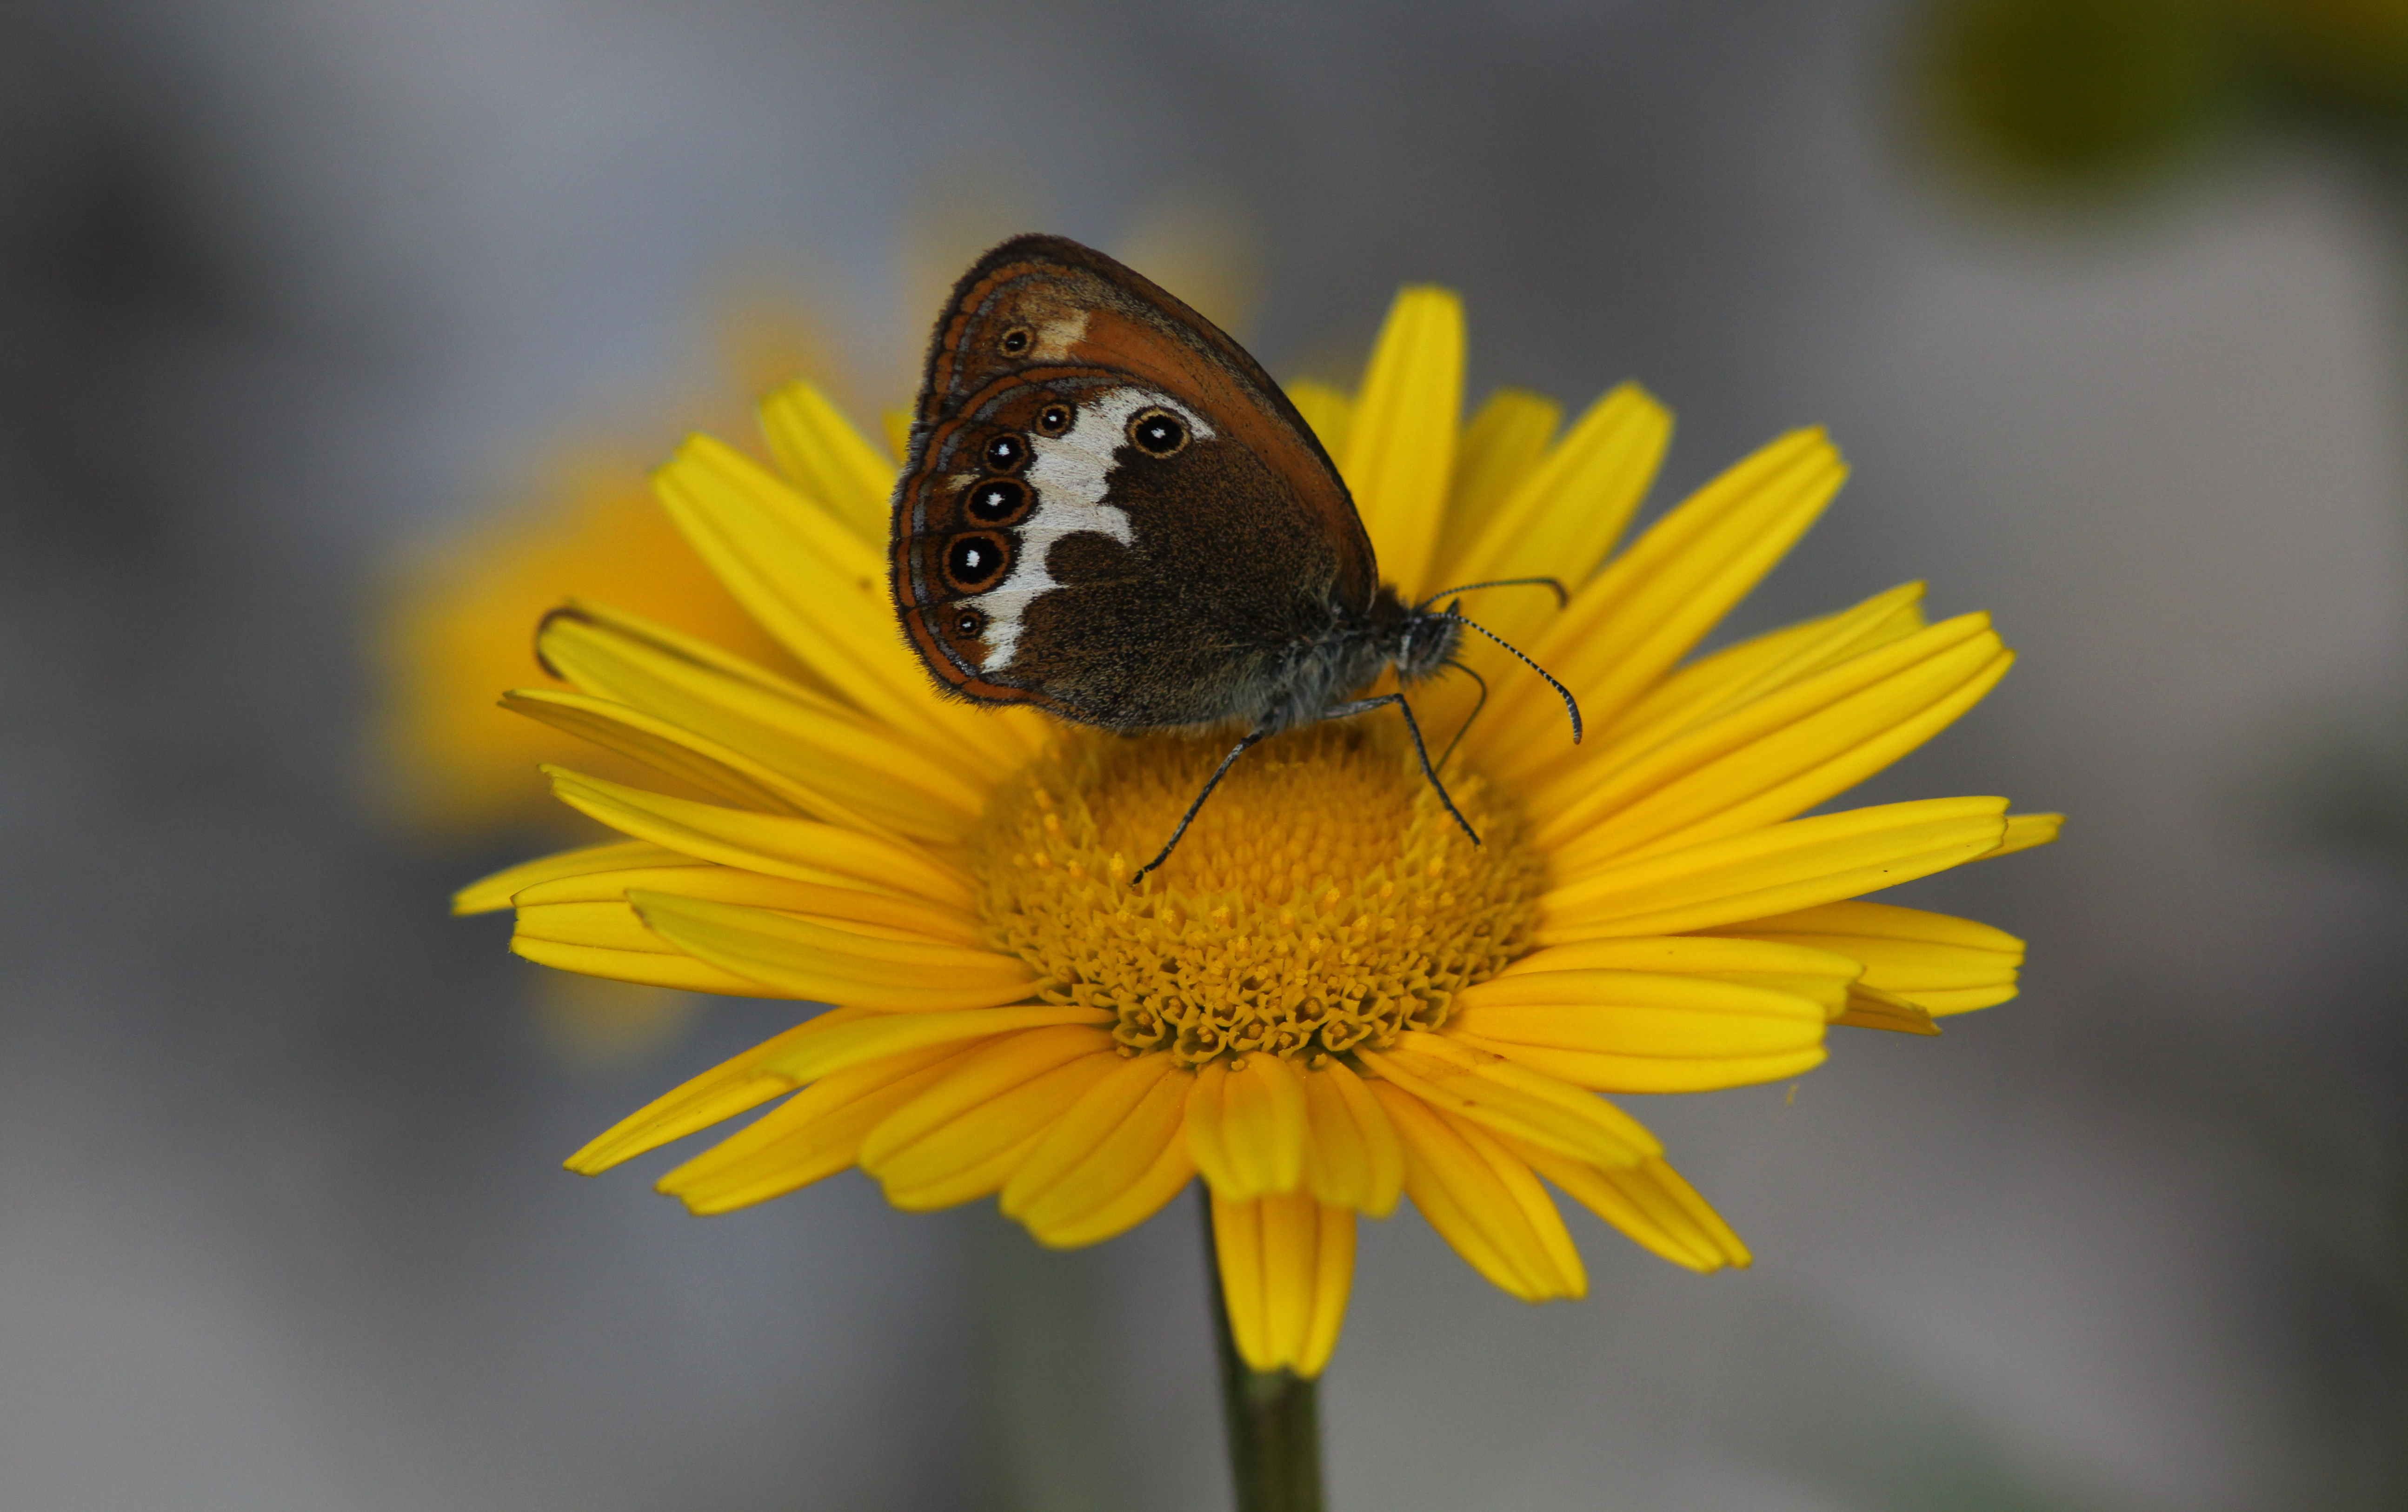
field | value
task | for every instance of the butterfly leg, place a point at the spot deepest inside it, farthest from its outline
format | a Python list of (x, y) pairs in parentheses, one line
[(1465, 728), (1413, 728), (1244, 743)]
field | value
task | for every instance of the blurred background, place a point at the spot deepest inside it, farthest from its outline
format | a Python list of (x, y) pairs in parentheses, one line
[(335, 340)]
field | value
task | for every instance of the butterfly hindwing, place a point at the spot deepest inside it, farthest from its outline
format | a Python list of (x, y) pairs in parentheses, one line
[(1109, 509)]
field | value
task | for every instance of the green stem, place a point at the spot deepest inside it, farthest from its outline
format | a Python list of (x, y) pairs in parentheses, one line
[(1273, 1416)]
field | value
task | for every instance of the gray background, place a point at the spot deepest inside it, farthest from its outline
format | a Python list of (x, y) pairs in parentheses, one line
[(285, 287)]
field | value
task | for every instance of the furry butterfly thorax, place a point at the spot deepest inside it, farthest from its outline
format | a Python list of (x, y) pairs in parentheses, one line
[(1110, 511)]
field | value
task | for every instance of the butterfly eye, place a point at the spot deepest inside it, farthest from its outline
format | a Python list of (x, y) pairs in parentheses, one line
[(1158, 432), (1016, 340), (974, 561), (998, 501), (1054, 419), (968, 623), (1005, 453)]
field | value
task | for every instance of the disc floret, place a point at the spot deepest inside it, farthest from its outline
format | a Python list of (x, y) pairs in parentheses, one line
[(1322, 902)]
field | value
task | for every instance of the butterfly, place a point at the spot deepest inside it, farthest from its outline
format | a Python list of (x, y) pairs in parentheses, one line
[(1108, 510)]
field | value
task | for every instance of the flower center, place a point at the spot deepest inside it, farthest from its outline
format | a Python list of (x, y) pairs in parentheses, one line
[(1322, 901)]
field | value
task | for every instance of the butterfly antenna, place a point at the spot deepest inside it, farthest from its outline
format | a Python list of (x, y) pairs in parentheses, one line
[(1465, 728), (1563, 595), (1571, 704)]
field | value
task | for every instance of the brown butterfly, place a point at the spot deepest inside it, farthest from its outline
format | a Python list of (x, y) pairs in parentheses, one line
[(1108, 510)]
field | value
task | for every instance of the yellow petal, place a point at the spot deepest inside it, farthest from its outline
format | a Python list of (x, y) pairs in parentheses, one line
[(812, 1135), (2024, 831), (1112, 1161), (1773, 870), (1651, 1203), (1712, 685), (1238, 1255), (974, 1147), (1557, 521), (729, 777), (1480, 1085), (1605, 1072), (1401, 447), (960, 1137), (1483, 1200), (803, 850), (1775, 758), (875, 1034), (896, 425), (1172, 1168), (835, 965), (451, 631), (606, 926), (849, 764), (1710, 955), (1638, 1013), (1246, 1125), (1941, 964), (1501, 445), (1819, 976), (1656, 1181), (821, 590), (1645, 611), (855, 905), (1327, 410), (1333, 1278), (718, 1094), (495, 893), (985, 1073), (1567, 512), (1353, 1159), (1291, 1230), (812, 583), (1286, 1264), (573, 660), (1869, 1007), (614, 925), (1633, 1032), (829, 460), (656, 966), (1087, 1127)]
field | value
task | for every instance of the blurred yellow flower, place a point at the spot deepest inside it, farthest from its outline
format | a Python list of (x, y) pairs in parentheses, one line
[(1327, 1002)]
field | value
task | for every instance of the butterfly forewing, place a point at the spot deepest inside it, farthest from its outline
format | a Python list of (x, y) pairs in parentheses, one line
[(1109, 509)]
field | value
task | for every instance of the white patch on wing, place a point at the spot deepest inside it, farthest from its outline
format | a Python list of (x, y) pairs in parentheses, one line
[(1056, 338), (1071, 474)]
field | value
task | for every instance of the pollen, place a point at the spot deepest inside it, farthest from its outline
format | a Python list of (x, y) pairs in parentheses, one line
[(1324, 902)]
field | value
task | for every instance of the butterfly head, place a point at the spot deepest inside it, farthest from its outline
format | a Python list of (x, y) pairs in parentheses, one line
[(1421, 640), (1414, 648)]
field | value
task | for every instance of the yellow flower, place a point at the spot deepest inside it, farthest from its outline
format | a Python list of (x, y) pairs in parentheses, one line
[(1328, 1000)]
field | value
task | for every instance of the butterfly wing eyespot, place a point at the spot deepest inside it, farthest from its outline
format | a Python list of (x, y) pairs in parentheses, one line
[(976, 560), (970, 624), (1056, 418), (999, 501), (1158, 432), (1005, 453), (1016, 341)]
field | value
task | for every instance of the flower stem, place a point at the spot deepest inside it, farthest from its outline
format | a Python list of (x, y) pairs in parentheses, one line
[(1273, 1416)]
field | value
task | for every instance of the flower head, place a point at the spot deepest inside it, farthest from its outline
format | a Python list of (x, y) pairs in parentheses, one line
[(1328, 1000)]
